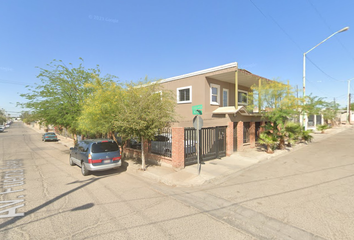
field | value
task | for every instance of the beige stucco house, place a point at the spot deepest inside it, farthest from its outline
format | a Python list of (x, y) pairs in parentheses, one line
[(227, 125), (221, 90)]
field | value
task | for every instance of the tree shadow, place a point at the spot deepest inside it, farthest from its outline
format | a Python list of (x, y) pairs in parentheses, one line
[(15, 219)]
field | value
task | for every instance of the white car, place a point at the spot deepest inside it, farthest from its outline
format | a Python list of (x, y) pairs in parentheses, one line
[(2, 128)]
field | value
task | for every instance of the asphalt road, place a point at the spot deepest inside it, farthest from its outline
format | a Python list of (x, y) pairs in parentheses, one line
[(306, 194)]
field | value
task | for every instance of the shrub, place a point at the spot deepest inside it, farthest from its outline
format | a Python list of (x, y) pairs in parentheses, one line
[(306, 136), (269, 140), (322, 127)]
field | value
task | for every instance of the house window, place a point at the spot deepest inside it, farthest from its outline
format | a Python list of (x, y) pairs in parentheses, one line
[(184, 94), (214, 94), (225, 97), (242, 97)]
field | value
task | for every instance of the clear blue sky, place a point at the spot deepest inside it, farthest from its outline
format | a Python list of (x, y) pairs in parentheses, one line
[(161, 39)]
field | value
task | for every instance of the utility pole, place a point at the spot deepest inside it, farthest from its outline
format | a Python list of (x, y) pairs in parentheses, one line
[(349, 108)]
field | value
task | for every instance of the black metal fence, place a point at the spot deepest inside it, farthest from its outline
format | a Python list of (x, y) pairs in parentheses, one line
[(162, 143), (212, 144)]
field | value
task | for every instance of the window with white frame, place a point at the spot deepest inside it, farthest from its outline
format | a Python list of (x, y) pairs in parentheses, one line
[(242, 97), (214, 94), (225, 97), (184, 94)]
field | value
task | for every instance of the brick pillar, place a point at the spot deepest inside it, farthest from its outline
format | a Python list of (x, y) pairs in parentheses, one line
[(178, 147), (229, 138), (240, 136), (252, 133)]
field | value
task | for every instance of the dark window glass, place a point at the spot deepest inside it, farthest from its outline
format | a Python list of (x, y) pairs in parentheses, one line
[(242, 97), (104, 147), (184, 95)]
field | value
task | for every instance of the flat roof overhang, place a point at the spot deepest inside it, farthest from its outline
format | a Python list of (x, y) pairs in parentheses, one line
[(223, 73), (245, 78)]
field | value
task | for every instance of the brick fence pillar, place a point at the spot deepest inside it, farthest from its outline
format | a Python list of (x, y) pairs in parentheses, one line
[(240, 136), (229, 138), (178, 147), (252, 132)]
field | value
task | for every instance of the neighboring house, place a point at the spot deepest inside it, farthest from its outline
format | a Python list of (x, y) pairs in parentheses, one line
[(222, 91), (343, 115)]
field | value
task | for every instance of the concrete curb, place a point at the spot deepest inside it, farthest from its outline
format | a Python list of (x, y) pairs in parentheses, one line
[(214, 170)]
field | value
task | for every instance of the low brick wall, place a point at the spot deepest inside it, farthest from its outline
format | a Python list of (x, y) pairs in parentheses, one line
[(150, 157)]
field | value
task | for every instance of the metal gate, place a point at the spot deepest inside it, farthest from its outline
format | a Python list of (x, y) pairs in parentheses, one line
[(212, 144)]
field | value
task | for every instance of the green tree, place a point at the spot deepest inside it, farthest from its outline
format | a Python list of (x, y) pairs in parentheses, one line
[(2, 116), (27, 117), (58, 100), (100, 108), (277, 104), (147, 108), (330, 112), (313, 105)]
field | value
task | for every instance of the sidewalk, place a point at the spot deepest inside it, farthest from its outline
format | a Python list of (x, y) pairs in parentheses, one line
[(213, 169), (219, 168)]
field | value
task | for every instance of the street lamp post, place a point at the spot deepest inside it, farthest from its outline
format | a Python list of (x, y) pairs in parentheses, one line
[(304, 70), (348, 106)]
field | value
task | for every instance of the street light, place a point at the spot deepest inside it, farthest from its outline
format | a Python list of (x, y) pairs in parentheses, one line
[(348, 106), (304, 70)]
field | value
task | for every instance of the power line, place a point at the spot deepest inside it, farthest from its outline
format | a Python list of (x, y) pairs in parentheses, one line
[(322, 70), (276, 24), (269, 16), (325, 22)]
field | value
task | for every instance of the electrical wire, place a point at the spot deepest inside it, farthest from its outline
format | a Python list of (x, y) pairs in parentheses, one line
[(293, 39), (282, 29), (325, 22)]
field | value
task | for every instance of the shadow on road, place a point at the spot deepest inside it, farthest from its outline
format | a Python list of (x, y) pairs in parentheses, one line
[(15, 219)]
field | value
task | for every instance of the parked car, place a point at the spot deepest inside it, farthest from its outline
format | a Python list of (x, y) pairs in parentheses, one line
[(49, 136), (162, 145), (95, 155), (135, 144), (2, 128)]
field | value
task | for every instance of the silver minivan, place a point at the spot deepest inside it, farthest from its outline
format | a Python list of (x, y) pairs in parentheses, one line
[(95, 155)]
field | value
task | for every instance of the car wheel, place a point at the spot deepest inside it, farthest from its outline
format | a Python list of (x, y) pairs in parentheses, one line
[(84, 170), (71, 161)]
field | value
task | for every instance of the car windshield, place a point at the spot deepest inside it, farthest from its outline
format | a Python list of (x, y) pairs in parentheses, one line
[(50, 134), (104, 147)]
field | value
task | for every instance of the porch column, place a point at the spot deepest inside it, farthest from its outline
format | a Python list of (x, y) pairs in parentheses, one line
[(252, 132), (178, 147), (259, 95), (229, 138), (240, 136), (236, 89)]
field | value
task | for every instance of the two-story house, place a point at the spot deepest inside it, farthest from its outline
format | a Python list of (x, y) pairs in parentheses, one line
[(222, 91), (227, 125)]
